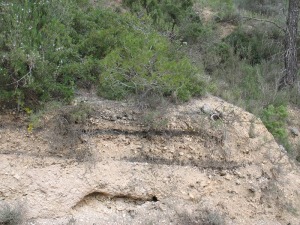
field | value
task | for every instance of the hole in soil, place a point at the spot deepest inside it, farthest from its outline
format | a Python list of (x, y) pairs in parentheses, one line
[(154, 199), (107, 197)]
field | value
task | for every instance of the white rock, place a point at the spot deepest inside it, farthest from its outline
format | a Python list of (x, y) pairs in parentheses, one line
[(191, 196), (294, 131), (206, 109)]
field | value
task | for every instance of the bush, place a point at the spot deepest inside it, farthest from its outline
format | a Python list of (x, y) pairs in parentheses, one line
[(49, 48), (193, 32), (176, 17), (253, 46), (264, 7), (161, 12), (144, 62), (37, 44), (274, 119), (66, 134), (227, 12), (155, 120)]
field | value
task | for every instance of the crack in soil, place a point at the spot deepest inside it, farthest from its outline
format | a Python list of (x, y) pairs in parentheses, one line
[(201, 164), (127, 198), (217, 139)]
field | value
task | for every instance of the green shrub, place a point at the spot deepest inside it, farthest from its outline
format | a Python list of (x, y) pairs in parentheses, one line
[(239, 82), (223, 50), (37, 44), (274, 119), (193, 32), (253, 46), (226, 12), (164, 11), (49, 48), (144, 62), (176, 17), (250, 83), (264, 7)]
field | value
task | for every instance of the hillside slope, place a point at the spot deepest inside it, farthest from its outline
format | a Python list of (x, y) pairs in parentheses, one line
[(203, 162)]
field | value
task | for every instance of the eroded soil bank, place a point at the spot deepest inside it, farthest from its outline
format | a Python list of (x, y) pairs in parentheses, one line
[(106, 162)]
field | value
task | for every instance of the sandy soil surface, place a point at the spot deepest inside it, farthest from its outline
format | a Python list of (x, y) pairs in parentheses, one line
[(106, 162)]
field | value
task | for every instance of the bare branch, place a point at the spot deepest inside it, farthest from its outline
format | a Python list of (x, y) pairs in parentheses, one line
[(266, 21)]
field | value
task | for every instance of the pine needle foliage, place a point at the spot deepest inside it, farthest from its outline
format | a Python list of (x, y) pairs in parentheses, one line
[(50, 48)]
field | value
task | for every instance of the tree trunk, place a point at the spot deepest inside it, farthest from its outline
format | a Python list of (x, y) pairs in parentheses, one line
[(290, 57)]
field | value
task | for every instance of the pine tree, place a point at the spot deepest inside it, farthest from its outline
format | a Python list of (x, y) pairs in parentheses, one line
[(290, 57)]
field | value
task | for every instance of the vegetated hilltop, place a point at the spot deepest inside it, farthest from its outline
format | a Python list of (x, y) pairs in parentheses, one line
[(174, 50), (165, 152)]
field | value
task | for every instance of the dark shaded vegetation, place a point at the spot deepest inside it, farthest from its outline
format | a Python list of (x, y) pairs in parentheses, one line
[(50, 48)]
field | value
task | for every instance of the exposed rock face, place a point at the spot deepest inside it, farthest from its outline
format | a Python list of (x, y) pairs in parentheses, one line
[(181, 168)]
